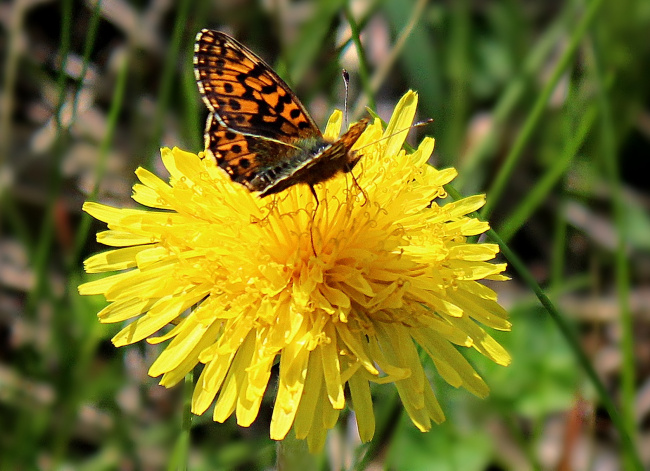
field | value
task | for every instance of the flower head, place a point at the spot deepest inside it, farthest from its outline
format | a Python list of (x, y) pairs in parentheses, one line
[(340, 295)]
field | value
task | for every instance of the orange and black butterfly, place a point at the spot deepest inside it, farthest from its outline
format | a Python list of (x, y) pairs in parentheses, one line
[(257, 129)]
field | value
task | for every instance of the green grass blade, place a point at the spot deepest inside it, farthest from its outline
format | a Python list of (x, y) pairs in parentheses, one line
[(88, 48), (505, 173), (42, 252), (111, 125), (506, 103), (302, 52), (610, 162), (191, 124), (535, 197), (364, 72), (12, 52), (167, 80), (458, 66), (400, 43)]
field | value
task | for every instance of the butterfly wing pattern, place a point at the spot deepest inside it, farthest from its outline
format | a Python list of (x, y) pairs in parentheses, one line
[(257, 130)]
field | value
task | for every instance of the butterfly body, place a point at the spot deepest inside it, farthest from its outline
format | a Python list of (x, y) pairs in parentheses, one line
[(257, 130)]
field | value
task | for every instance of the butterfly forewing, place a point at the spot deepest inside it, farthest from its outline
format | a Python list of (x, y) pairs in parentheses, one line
[(242, 156), (245, 94)]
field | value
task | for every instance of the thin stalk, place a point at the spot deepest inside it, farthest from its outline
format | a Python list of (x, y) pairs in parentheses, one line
[(76, 387), (572, 112), (458, 70), (386, 66), (505, 105), (370, 12), (167, 79), (100, 168), (543, 187), (610, 161), (10, 71), (557, 282), (88, 48), (43, 252), (191, 110)]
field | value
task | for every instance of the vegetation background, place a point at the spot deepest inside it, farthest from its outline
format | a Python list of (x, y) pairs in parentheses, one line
[(543, 105)]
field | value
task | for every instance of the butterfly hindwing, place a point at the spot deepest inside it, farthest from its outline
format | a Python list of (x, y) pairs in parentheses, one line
[(243, 157), (244, 92)]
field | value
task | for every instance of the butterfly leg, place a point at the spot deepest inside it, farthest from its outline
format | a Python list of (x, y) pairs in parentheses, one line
[(356, 183), (313, 218), (313, 192)]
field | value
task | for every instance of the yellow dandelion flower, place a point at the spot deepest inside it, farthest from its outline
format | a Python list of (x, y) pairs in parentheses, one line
[(338, 297)]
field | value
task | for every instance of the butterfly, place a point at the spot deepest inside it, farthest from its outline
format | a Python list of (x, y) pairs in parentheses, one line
[(258, 131)]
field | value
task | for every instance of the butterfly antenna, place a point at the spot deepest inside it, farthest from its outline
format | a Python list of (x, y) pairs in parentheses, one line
[(313, 219), (416, 125), (346, 82)]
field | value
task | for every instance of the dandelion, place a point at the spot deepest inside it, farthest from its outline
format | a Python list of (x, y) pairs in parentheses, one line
[(338, 296)]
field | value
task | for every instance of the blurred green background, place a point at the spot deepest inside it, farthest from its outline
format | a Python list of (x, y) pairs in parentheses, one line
[(543, 105)]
